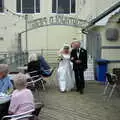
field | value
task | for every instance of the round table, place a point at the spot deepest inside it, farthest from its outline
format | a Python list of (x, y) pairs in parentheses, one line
[(22, 68), (4, 99)]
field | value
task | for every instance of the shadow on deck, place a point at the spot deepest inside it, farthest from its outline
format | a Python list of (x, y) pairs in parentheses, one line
[(73, 106)]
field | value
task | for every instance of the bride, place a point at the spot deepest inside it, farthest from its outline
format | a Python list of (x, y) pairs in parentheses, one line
[(65, 74)]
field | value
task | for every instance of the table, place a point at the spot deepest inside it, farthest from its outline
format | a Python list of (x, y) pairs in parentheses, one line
[(22, 68), (4, 98), (11, 76)]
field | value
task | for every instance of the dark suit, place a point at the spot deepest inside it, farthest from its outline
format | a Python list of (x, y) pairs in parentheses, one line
[(79, 68)]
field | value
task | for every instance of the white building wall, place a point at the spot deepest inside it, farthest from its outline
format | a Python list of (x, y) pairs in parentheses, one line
[(111, 54), (93, 8), (46, 37), (52, 37)]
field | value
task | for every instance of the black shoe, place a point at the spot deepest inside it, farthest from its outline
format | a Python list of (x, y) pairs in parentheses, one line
[(81, 91), (77, 90), (44, 81)]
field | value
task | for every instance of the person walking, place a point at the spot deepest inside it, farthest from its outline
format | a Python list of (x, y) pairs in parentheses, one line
[(79, 59)]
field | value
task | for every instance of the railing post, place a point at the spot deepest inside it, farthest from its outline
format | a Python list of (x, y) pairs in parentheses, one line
[(42, 52), (26, 58)]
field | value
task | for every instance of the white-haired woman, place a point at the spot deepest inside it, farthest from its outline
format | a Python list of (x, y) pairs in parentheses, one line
[(32, 57), (33, 65), (22, 99), (65, 75)]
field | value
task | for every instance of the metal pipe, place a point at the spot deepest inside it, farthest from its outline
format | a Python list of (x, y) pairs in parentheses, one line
[(26, 32), (92, 22)]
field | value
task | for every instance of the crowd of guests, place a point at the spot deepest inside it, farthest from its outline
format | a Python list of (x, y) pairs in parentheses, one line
[(22, 99)]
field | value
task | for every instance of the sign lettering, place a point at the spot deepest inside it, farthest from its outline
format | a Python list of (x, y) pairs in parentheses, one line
[(57, 20)]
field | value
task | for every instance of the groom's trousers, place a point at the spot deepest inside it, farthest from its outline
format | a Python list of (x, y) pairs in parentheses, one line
[(79, 78)]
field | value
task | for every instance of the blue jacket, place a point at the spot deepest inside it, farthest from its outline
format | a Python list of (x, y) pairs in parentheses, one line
[(43, 64), (5, 84)]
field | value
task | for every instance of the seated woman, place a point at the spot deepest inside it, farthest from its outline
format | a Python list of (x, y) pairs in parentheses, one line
[(5, 82), (22, 99), (39, 65), (33, 70), (33, 65)]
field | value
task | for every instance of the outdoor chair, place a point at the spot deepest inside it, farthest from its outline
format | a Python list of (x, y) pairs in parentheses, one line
[(20, 116), (112, 82), (35, 81), (31, 114)]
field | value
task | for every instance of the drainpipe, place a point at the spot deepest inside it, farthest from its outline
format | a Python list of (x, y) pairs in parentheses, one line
[(101, 16)]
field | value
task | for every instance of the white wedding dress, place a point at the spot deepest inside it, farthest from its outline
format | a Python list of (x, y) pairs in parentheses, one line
[(65, 74)]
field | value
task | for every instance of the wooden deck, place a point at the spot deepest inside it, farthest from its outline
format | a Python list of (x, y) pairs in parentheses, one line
[(73, 106)]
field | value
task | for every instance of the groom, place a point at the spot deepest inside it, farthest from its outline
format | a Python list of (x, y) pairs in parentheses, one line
[(79, 59)]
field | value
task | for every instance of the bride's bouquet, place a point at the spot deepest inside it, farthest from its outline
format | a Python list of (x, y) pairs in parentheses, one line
[(60, 57)]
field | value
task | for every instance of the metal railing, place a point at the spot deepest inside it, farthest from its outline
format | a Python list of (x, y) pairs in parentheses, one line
[(20, 59)]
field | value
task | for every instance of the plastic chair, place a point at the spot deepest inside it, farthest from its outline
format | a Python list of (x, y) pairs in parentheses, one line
[(111, 82)]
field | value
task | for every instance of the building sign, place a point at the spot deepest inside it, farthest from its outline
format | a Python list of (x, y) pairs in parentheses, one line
[(56, 20)]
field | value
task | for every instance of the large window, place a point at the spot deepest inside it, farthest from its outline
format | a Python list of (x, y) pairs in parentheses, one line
[(28, 6), (63, 6), (1, 5)]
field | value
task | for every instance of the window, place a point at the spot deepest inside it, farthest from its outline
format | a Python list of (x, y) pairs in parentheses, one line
[(28, 6), (63, 6), (1, 5)]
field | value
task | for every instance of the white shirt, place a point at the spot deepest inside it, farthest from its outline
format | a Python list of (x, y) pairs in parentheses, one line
[(78, 53)]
